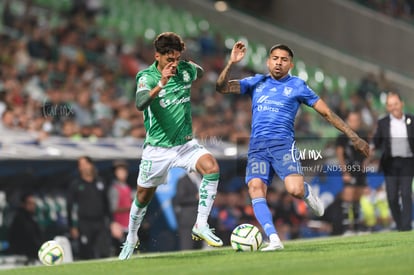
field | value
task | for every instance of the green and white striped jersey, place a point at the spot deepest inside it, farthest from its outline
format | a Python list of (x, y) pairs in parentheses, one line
[(167, 119)]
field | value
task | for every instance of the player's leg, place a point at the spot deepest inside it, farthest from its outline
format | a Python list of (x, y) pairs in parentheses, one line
[(195, 157), (297, 187), (257, 192), (258, 175), (151, 174), (287, 165), (136, 215), (208, 167)]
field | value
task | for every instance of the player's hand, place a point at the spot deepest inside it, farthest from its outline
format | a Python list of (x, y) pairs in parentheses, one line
[(362, 146), (238, 52), (168, 71)]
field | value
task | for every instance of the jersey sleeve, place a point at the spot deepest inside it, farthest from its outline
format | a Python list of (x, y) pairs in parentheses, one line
[(248, 84), (307, 95), (145, 83), (194, 70)]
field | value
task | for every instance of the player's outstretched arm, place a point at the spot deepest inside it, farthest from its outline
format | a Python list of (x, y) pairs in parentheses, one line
[(359, 144), (223, 85)]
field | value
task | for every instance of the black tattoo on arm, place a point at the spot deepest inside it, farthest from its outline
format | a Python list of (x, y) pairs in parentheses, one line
[(234, 87), (339, 124), (224, 86)]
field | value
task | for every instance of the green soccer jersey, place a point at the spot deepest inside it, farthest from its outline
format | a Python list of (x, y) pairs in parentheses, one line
[(167, 119)]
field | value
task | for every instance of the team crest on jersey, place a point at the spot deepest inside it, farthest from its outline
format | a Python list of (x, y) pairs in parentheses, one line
[(287, 91), (186, 76), (142, 84)]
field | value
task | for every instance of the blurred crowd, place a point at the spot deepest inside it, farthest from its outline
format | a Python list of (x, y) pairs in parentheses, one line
[(70, 81), (401, 9)]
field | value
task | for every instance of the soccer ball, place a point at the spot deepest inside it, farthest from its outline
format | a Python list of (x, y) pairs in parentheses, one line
[(246, 237), (51, 253)]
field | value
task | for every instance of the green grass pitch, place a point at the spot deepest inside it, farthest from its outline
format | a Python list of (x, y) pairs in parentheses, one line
[(378, 253)]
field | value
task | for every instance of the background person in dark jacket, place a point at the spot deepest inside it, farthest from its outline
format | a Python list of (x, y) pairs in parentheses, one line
[(88, 212), (25, 234), (352, 165), (395, 138)]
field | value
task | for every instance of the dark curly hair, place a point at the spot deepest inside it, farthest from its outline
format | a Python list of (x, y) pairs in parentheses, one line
[(167, 42)]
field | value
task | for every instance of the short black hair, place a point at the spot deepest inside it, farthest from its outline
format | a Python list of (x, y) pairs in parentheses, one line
[(282, 47), (167, 42)]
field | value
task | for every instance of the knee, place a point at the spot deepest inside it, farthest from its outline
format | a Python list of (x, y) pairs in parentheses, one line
[(296, 190), (208, 165), (212, 169), (143, 196), (256, 188), (295, 185)]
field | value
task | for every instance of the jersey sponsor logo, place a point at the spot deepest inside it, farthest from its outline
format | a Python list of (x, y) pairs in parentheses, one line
[(273, 89), (162, 93), (264, 99), (265, 108), (164, 103), (287, 91), (188, 86)]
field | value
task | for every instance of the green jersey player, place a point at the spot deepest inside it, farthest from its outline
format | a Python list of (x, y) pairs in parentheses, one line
[(163, 94)]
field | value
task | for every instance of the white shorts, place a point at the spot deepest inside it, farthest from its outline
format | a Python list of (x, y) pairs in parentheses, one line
[(157, 161)]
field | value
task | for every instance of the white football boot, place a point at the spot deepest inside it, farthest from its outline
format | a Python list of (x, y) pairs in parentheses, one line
[(206, 234)]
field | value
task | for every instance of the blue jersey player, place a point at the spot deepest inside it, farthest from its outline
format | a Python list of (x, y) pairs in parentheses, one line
[(276, 98)]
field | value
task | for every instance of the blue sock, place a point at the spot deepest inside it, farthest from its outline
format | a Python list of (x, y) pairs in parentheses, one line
[(306, 190), (263, 215)]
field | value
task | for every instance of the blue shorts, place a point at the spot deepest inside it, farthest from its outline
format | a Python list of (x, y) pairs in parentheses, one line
[(264, 162)]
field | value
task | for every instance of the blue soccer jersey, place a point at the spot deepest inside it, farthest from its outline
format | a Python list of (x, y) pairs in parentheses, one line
[(274, 107), (275, 104)]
